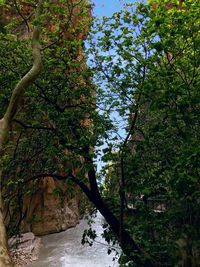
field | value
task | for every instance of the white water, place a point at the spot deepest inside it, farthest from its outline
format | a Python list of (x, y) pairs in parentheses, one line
[(65, 249)]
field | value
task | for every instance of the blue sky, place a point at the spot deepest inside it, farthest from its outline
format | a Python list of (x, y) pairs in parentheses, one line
[(108, 7)]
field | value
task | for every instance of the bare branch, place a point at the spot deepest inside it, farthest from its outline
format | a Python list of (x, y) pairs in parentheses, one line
[(21, 15)]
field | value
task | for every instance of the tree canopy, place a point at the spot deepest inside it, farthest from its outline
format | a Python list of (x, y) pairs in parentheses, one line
[(138, 94), (148, 60)]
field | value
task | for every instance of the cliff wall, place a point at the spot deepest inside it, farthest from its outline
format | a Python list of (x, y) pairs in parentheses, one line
[(50, 207)]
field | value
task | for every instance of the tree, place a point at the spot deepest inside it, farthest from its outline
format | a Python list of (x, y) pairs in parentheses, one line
[(151, 70), (16, 37), (10, 113)]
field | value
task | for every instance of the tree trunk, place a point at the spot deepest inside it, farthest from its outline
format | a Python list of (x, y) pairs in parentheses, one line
[(5, 260), (6, 121), (129, 246)]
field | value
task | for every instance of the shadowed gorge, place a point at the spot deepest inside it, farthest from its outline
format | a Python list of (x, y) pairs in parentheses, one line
[(100, 115)]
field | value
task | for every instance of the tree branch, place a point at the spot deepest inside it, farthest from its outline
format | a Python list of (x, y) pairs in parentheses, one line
[(25, 81)]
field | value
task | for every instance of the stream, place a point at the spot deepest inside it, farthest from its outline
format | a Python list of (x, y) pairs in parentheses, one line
[(64, 249)]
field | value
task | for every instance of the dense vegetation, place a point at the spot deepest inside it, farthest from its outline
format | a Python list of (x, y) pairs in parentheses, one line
[(144, 70), (150, 68)]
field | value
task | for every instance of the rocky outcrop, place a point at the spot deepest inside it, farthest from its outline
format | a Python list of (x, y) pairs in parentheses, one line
[(24, 249), (51, 208)]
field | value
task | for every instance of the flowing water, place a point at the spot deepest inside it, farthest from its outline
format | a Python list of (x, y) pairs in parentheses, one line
[(65, 249)]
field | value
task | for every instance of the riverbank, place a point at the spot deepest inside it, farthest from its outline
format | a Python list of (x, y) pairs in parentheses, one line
[(24, 249), (64, 249)]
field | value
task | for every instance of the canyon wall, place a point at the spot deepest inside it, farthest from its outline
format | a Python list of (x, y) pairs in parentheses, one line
[(50, 207)]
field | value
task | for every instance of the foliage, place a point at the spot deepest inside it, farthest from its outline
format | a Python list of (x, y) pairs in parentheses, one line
[(150, 70), (147, 76), (49, 129)]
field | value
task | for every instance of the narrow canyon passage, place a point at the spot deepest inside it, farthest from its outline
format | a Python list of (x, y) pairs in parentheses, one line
[(65, 249)]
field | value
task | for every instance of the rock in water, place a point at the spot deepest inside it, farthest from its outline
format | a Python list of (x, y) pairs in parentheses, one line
[(24, 249)]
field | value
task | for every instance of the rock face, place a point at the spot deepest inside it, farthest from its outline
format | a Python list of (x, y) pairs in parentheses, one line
[(49, 206), (50, 209), (24, 249)]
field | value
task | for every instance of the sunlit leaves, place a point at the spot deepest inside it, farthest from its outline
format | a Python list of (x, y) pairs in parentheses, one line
[(154, 52)]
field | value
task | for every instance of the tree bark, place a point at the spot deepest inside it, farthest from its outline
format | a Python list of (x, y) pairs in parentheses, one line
[(6, 121), (129, 246)]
